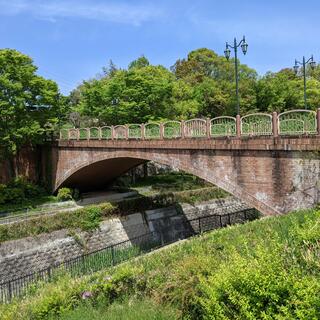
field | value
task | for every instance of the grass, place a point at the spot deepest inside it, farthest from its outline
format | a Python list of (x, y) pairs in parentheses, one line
[(265, 269), (29, 204), (122, 310)]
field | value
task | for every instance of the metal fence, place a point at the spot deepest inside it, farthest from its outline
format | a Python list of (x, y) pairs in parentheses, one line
[(119, 252)]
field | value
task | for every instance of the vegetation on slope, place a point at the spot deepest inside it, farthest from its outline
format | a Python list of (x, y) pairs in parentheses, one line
[(266, 269), (89, 218)]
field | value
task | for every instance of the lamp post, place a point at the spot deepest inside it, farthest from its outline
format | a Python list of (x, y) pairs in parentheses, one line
[(227, 52), (304, 62)]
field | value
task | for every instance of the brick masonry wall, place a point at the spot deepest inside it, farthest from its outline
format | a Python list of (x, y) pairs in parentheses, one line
[(27, 163), (274, 175), (24, 256)]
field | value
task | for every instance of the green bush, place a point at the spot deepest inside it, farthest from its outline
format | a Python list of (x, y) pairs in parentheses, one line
[(18, 191), (64, 194), (91, 219)]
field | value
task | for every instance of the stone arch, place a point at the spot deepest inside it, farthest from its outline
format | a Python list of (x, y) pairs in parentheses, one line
[(193, 162)]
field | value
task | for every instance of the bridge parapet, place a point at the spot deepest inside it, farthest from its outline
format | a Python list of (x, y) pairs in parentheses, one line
[(289, 123)]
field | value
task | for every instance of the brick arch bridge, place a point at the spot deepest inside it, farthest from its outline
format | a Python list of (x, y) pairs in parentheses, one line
[(272, 176), (271, 162)]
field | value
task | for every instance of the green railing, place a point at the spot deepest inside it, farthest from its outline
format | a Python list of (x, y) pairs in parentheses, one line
[(223, 127), (83, 133), (94, 133), (172, 129), (297, 122), (256, 124), (152, 131), (106, 132), (134, 131)]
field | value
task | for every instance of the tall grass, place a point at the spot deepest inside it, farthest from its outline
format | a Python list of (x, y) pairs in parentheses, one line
[(122, 310)]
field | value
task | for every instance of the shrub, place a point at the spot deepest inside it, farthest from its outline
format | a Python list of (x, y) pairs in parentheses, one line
[(91, 218), (64, 194)]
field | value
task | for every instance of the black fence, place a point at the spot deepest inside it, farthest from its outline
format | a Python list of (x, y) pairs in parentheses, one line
[(117, 253)]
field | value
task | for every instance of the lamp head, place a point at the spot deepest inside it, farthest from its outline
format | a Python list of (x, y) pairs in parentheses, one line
[(312, 63), (227, 52), (244, 46)]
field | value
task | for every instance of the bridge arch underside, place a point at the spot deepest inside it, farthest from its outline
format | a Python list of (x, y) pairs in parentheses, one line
[(101, 173), (273, 182)]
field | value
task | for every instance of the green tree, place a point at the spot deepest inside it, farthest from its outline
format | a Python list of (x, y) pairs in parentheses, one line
[(212, 77), (136, 95), (29, 104)]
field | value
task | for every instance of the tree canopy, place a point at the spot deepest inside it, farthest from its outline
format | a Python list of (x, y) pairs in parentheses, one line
[(29, 104), (201, 85)]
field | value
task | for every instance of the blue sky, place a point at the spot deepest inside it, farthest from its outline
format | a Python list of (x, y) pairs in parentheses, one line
[(70, 40)]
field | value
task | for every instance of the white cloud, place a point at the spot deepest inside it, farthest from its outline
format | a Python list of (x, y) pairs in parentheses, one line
[(94, 10)]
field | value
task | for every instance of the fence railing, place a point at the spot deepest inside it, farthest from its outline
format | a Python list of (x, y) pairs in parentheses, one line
[(119, 252), (294, 122)]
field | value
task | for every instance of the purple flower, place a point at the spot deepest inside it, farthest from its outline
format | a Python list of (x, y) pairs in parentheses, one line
[(86, 295)]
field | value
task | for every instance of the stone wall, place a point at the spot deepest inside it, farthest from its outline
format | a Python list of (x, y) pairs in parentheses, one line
[(24, 256)]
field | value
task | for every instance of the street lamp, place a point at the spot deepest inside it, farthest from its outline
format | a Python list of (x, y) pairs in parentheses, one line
[(227, 52), (304, 62)]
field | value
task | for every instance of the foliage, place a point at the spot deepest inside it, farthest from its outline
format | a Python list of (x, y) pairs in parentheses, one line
[(259, 270), (29, 104), (64, 194), (124, 310), (171, 181), (19, 191)]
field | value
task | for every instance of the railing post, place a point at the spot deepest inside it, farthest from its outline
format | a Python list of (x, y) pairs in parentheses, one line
[(126, 133), (275, 124), (182, 129), (88, 134), (143, 131), (112, 255), (99, 133), (60, 134), (208, 128), (78, 134), (112, 132), (9, 291), (161, 131), (318, 121), (238, 125)]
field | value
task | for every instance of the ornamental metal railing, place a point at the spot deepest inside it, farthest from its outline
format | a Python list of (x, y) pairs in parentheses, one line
[(256, 124), (294, 122), (114, 254), (297, 122), (223, 127)]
